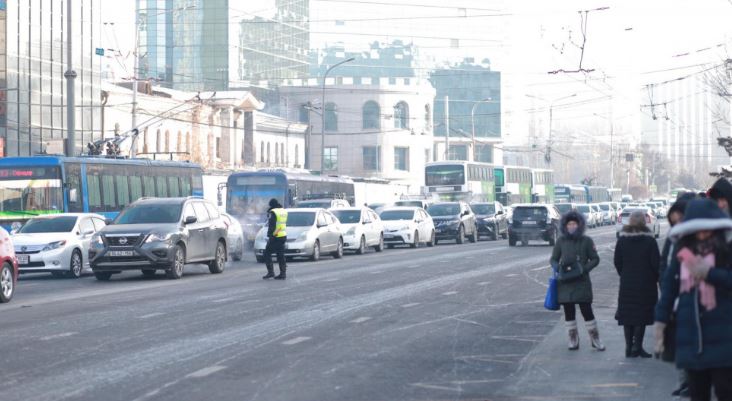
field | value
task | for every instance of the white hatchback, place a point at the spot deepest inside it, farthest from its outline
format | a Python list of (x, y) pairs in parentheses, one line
[(651, 220), (407, 226), (361, 228), (56, 243)]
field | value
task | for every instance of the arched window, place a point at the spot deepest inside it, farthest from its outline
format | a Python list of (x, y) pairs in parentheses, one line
[(282, 154), (401, 115), (371, 115), (261, 153), (188, 142), (331, 117), (277, 153), (167, 141), (427, 117), (179, 141), (158, 141), (268, 153), (145, 141), (297, 154)]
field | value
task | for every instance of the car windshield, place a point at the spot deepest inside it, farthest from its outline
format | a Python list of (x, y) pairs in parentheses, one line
[(409, 203), (628, 212), (348, 216), (164, 213), (529, 213), (484, 208), (605, 207), (300, 219), (563, 207), (314, 204), (397, 215), (583, 209), (448, 209), (62, 224)]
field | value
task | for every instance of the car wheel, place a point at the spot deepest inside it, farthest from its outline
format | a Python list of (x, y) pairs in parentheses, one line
[(474, 236), (432, 240), (217, 265), (316, 251), (361, 246), (75, 264), (460, 239), (103, 276), (239, 251), (148, 273), (415, 244), (339, 250), (179, 260), (553, 239), (7, 283), (524, 242), (511, 241), (494, 236), (505, 234), (380, 246)]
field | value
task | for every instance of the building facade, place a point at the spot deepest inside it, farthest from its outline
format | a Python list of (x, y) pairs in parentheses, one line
[(33, 60), (474, 98), (372, 128), (393, 60)]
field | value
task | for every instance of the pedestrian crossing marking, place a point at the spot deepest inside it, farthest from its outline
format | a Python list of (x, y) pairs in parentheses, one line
[(206, 371), (449, 293), (410, 305), (361, 319)]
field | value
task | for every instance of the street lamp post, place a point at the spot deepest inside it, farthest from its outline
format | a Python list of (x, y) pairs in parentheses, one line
[(547, 157), (322, 115), (472, 120), (70, 76)]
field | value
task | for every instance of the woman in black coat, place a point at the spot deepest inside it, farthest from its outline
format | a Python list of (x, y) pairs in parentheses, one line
[(636, 260)]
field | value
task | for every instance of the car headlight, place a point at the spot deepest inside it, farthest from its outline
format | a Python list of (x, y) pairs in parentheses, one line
[(303, 236), (403, 228), (53, 245), (351, 231), (158, 237)]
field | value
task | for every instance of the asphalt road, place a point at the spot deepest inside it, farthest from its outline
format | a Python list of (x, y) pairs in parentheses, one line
[(442, 323)]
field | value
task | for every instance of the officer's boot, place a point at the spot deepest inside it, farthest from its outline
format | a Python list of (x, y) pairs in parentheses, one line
[(283, 273), (270, 271)]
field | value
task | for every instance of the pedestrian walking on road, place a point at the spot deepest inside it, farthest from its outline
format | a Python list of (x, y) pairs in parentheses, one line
[(576, 252), (699, 282), (276, 239), (636, 260), (721, 192)]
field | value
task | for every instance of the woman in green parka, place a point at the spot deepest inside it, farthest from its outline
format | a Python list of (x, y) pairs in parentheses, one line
[(573, 246)]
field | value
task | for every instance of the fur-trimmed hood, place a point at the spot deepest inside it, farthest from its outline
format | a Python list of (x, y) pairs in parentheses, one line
[(701, 215), (680, 204), (635, 233), (573, 215)]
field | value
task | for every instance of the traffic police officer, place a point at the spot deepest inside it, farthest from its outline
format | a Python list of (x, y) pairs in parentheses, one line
[(276, 239)]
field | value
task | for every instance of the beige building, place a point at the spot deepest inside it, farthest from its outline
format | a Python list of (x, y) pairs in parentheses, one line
[(373, 128), (218, 130)]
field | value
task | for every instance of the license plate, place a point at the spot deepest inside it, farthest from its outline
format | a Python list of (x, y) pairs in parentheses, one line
[(388, 236), (121, 253), (23, 259), (527, 223)]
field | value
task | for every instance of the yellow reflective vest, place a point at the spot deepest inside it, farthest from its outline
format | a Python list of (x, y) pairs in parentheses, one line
[(281, 226)]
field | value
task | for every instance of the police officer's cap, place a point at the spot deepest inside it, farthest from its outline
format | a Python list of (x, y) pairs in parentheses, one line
[(274, 203)]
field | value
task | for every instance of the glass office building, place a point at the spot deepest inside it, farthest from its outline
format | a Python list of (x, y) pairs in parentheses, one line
[(32, 66)]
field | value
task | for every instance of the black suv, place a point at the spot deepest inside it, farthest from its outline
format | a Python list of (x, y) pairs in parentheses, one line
[(160, 234), (491, 219), (533, 222), (453, 220)]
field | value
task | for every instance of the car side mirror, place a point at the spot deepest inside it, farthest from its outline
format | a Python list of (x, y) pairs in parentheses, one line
[(465, 213), (108, 222), (190, 220), (500, 212)]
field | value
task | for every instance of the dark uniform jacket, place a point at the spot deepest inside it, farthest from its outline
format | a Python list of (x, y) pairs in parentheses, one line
[(636, 260)]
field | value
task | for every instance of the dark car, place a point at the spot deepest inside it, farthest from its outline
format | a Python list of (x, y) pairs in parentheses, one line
[(453, 220), (533, 222), (492, 220), (160, 234)]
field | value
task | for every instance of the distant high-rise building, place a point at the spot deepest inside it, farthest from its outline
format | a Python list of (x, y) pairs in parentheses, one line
[(184, 44), (275, 48), (32, 64), (393, 60)]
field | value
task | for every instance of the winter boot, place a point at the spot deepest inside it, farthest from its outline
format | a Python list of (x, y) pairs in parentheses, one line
[(283, 274), (573, 335), (628, 330), (594, 335), (270, 272), (638, 334)]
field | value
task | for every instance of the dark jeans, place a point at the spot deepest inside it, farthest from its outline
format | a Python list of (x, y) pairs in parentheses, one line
[(570, 312), (276, 246), (702, 381)]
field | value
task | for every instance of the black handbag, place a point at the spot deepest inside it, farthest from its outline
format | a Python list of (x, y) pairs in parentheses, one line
[(570, 271)]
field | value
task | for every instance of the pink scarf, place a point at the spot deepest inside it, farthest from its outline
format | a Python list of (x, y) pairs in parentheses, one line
[(707, 294)]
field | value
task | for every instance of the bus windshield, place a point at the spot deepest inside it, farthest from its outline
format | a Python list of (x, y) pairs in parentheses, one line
[(445, 175), (30, 191), (249, 196)]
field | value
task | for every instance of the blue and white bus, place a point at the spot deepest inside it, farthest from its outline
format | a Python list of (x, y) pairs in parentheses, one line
[(564, 193), (248, 193), (33, 186)]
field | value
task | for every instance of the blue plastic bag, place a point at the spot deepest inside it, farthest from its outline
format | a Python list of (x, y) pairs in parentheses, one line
[(551, 301)]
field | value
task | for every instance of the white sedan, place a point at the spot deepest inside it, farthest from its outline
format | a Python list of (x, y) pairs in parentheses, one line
[(407, 226), (361, 228), (234, 236), (57, 243), (310, 233)]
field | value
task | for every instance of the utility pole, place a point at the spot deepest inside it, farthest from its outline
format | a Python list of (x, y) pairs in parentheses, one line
[(322, 116), (70, 76), (135, 68), (447, 128)]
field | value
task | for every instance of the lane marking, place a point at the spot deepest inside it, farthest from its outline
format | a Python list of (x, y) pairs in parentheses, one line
[(361, 319), (60, 335), (412, 266), (149, 315), (410, 305), (482, 283), (615, 385), (449, 293), (206, 371), (376, 272), (223, 300), (296, 340), (511, 275), (330, 280)]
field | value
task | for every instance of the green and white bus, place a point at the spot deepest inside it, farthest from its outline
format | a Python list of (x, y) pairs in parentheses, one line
[(542, 185), (460, 180), (513, 184)]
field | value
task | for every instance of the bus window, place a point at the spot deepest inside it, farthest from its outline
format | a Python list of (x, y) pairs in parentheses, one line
[(95, 197), (185, 186), (73, 181), (108, 200), (161, 187), (148, 186), (135, 188), (173, 187), (123, 191)]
